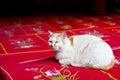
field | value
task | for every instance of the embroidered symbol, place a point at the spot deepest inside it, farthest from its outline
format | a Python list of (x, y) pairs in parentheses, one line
[(38, 30), (9, 33), (66, 27), (28, 43), (53, 72)]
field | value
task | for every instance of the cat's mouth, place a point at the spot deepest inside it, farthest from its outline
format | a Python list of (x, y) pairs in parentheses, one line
[(56, 48)]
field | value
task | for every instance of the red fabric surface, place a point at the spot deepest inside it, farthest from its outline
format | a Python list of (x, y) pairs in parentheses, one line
[(30, 70), (25, 54)]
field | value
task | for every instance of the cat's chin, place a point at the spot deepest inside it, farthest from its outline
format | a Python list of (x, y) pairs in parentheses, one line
[(57, 49)]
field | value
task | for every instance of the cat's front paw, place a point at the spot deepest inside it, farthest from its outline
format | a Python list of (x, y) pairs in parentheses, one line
[(64, 62)]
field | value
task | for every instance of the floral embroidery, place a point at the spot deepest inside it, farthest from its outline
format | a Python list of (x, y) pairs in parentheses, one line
[(59, 22), (66, 27), (31, 69), (95, 33), (110, 23), (79, 20), (23, 43), (38, 22), (90, 25), (9, 33), (53, 72), (64, 73), (18, 24), (117, 61), (37, 77), (108, 17), (61, 77), (116, 30), (38, 30)]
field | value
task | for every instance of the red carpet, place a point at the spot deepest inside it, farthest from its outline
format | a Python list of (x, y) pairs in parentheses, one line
[(25, 54)]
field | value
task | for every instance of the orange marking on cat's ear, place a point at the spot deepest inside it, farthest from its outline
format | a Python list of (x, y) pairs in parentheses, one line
[(71, 40)]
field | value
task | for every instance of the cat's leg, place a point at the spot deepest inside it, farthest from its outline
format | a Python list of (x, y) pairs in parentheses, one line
[(81, 63), (65, 61), (77, 65)]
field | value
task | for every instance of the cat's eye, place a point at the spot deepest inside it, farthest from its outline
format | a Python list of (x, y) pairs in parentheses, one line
[(50, 41)]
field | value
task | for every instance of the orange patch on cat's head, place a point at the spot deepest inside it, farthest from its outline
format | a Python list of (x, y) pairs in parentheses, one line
[(71, 41)]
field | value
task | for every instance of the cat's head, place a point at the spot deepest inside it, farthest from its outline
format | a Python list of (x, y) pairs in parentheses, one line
[(56, 40)]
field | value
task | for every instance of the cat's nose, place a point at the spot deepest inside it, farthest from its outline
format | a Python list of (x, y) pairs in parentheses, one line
[(53, 46)]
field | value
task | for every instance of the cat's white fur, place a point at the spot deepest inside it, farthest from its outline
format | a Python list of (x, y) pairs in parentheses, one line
[(82, 51)]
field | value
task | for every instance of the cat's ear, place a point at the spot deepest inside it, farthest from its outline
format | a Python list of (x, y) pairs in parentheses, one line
[(50, 32), (63, 34)]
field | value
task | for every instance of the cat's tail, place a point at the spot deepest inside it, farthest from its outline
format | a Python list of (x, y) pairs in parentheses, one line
[(110, 65), (106, 67)]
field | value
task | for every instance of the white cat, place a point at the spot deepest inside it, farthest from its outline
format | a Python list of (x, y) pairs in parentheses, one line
[(82, 51)]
